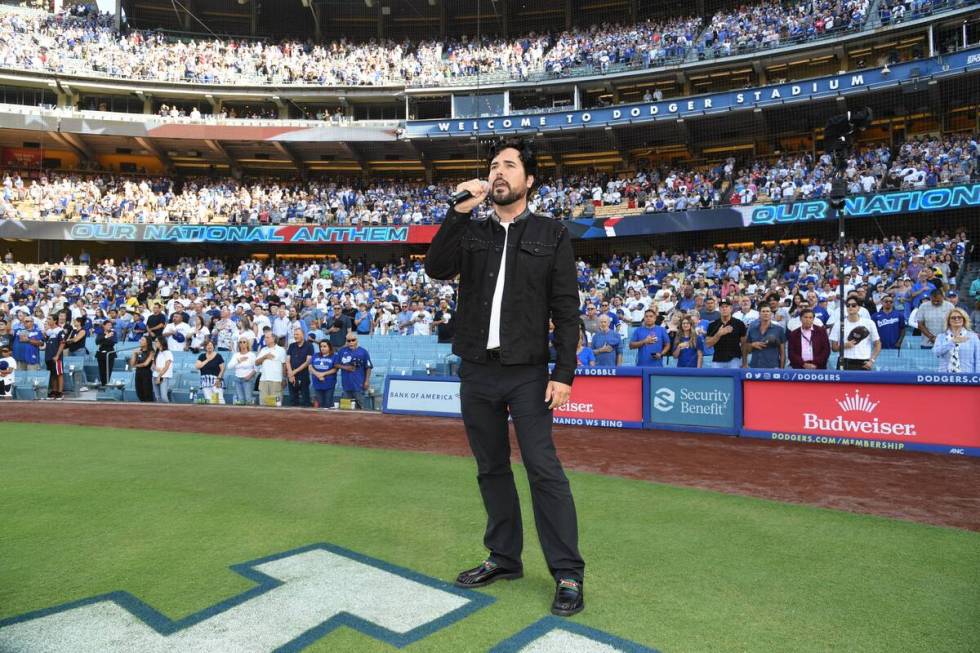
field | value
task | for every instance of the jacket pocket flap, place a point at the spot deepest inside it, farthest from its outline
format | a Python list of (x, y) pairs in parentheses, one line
[(538, 249)]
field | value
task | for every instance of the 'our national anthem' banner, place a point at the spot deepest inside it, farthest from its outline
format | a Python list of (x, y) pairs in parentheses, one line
[(643, 224)]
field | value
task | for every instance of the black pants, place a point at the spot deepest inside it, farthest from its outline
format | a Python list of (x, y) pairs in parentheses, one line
[(855, 365), (488, 393), (299, 392), (144, 384), (105, 359)]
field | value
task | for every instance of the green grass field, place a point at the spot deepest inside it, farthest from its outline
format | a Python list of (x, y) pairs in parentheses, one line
[(87, 511)]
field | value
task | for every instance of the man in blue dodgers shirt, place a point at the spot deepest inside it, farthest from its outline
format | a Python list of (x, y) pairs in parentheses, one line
[(606, 344), (890, 323), (355, 365), (27, 344), (652, 340)]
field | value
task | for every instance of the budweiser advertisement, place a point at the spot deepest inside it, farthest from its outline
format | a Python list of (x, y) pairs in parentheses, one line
[(915, 416), (610, 397)]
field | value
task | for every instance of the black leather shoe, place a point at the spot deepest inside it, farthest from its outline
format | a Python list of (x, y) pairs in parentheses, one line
[(488, 572), (569, 598)]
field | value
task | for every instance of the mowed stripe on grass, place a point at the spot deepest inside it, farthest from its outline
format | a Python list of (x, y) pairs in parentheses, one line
[(162, 516)]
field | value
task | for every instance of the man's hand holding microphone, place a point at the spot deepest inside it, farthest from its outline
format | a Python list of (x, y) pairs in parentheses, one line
[(469, 195)]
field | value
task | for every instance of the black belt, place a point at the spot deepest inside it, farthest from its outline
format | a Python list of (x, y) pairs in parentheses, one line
[(493, 354)]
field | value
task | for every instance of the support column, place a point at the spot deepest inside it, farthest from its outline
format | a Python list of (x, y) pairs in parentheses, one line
[(443, 20), (189, 7), (932, 42), (117, 19), (576, 98), (568, 14)]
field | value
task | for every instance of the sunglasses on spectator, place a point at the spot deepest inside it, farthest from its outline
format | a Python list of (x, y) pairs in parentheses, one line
[(352, 340), (956, 317)]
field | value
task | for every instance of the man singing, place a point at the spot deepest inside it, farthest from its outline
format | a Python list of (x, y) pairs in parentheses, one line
[(516, 270)]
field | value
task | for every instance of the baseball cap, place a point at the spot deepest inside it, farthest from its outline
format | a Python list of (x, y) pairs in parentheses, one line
[(725, 302), (952, 293)]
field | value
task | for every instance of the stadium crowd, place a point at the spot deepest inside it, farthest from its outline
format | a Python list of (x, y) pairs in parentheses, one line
[(85, 42), (276, 322), (920, 162), (771, 23)]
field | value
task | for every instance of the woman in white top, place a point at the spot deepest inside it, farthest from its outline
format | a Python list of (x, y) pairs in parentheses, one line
[(163, 371), (243, 362), (199, 335), (958, 348), (246, 331)]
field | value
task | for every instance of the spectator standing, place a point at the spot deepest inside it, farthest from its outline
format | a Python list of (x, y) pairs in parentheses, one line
[(163, 371), (890, 324), (726, 336), (54, 347), (105, 353), (141, 361), (340, 327), (225, 332), (244, 377), (8, 372), (281, 325), (957, 347), (6, 337), (606, 344), (212, 368), (75, 337), (688, 345), (808, 345), (711, 311), (443, 323), (861, 342), (177, 333), (271, 361), (355, 363), (199, 333), (779, 312), (156, 322), (764, 343), (584, 355), (931, 318), (975, 290), (591, 320), (323, 369), (745, 313), (651, 340), (363, 320), (422, 321), (138, 328), (298, 357), (28, 341)]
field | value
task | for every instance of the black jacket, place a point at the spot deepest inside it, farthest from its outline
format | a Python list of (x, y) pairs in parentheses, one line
[(540, 284)]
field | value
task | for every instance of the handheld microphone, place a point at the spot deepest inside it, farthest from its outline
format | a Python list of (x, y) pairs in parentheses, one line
[(464, 195)]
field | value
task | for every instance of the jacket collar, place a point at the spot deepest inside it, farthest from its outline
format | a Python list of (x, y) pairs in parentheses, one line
[(522, 216)]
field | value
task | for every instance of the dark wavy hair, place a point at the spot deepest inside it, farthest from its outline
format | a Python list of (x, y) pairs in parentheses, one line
[(525, 149)]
